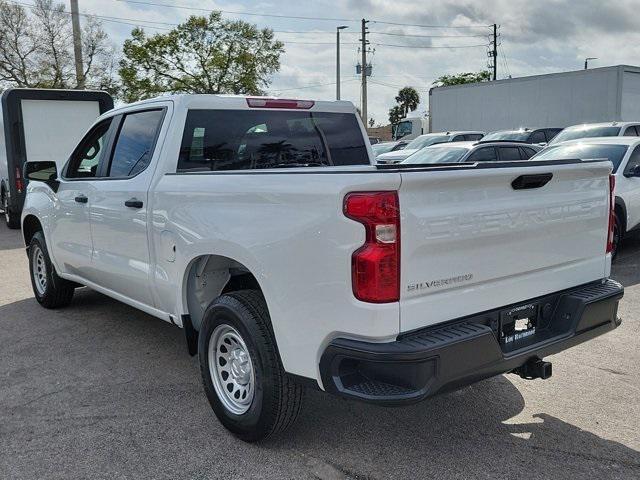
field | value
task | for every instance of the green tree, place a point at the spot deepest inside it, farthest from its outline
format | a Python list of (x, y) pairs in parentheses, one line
[(396, 114), (408, 99), (202, 55), (461, 78), (36, 48)]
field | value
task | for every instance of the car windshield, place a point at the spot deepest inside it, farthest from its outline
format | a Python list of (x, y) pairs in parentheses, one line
[(380, 148), (513, 135), (436, 155), (425, 141), (614, 153), (574, 133)]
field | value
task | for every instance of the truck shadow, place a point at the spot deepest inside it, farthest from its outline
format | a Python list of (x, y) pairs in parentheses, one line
[(465, 434), (9, 239), (626, 268), (113, 377)]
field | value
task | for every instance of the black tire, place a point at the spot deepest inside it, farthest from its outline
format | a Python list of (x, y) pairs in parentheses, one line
[(276, 399), (56, 291), (12, 219), (617, 236)]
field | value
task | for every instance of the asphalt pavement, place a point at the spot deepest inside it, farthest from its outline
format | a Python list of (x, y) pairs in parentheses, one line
[(101, 390)]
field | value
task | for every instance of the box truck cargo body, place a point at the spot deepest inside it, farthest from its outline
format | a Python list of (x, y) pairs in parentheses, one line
[(553, 100), (39, 124)]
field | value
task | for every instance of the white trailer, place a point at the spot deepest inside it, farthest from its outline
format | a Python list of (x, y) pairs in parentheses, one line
[(553, 100), (40, 125)]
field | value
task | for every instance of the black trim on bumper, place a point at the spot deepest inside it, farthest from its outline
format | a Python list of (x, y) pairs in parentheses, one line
[(447, 356)]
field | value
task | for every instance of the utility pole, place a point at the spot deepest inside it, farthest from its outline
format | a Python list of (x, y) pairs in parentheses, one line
[(341, 27), (365, 42), (77, 44), (495, 52)]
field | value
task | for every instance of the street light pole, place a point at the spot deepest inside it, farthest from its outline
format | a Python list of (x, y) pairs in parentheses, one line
[(341, 27)]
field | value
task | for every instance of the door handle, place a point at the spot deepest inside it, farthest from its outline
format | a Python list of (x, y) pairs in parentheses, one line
[(81, 199), (133, 203), (536, 180)]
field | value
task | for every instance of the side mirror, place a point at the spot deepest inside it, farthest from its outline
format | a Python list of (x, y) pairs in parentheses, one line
[(633, 172), (46, 172)]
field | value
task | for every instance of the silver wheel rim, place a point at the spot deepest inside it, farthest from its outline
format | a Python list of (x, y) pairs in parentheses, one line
[(39, 270), (231, 369)]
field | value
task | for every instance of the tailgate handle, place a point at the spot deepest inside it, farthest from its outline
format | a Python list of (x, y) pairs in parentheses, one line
[(535, 180)]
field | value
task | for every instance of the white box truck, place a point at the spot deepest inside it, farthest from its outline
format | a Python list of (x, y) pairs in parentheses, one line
[(554, 100), (40, 125)]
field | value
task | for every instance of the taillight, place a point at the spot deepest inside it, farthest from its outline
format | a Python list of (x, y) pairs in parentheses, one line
[(612, 212), (375, 267), (19, 182), (279, 103)]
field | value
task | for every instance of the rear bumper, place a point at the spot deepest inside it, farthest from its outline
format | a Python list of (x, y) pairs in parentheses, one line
[(445, 357)]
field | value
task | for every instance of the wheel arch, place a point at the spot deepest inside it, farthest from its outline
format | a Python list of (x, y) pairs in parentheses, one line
[(621, 210), (30, 225)]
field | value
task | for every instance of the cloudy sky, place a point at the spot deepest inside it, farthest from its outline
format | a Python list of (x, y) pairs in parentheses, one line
[(536, 36)]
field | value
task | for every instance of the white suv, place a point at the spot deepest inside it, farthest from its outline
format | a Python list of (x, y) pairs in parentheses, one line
[(590, 130), (624, 153)]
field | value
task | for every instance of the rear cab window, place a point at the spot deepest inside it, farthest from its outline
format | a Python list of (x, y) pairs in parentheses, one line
[(215, 140)]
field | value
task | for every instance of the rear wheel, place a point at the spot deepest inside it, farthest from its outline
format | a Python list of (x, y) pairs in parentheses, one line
[(241, 370), (50, 290), (13, 220)]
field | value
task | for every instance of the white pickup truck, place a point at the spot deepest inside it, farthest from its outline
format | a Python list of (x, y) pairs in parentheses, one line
[(264, 229)]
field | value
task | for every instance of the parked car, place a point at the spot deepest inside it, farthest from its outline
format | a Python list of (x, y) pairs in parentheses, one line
[(461, 152), (624, 153), (589, 130), (39, 124), (262, 227), (539, 135), (384, 147), (424, 141)]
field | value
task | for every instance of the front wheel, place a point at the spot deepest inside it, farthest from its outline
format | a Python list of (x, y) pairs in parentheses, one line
[(241, 371), (50, 290)]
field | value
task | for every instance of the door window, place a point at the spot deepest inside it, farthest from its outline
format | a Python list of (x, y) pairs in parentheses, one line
[(485, 154), (509, 154), (526, 153), (537, 137), (473, 136), (631, 132), (634, 160), (86, 158), (135, 142)]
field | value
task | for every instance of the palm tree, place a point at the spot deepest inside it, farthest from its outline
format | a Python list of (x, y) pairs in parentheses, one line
[(408, 99)]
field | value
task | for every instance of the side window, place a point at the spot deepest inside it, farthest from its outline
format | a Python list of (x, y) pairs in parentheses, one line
[(526, 153), (459, 138), (135, 142), (473, 137), (631, 132), (537, 137), (85, 159), (552, 132), (634, 160), (485, 154), (509, 154)]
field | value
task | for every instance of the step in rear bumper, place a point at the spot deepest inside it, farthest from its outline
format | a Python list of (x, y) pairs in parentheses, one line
[(444, 357)]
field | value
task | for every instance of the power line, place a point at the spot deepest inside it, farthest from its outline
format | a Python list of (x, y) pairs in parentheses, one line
[(208, 10), (428, 26), (427, 46), (426, 36), (304, 87)]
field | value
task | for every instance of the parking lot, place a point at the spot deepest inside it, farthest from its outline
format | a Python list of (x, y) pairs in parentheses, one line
[(100, 390)]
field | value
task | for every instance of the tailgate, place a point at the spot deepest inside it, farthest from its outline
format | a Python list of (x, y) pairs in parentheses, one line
[(471, 242)]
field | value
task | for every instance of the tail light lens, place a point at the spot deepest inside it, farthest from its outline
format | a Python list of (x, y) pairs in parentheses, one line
[(19, 181), (612, 212), (375, 267), (279, 103)]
